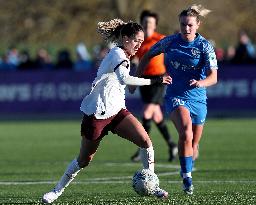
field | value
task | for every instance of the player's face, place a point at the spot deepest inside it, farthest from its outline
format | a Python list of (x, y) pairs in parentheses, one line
[(132, 45), (188, 27), (149, 25)]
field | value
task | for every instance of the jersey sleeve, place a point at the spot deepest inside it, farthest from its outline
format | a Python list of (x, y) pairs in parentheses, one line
[(160, 46), (210, 57), (157, 48), (123, 75)]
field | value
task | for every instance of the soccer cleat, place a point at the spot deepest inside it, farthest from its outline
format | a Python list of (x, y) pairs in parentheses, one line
[(51, 196), (160, 193), (136, 157), (173, 152), (188, 187)]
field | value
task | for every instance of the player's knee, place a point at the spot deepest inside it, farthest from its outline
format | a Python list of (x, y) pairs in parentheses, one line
[(186, 136)]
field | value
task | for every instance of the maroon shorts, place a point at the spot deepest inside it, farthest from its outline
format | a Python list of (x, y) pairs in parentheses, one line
[(95, 129)]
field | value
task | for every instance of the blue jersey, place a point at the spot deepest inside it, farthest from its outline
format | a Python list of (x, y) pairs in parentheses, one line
[(185, 61)]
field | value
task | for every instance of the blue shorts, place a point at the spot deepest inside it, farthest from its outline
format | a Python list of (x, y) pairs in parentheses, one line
[(197, 109)]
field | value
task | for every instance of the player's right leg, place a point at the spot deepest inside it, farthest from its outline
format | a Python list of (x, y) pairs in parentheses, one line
[(87, 151), (70, 173), (182, 121)]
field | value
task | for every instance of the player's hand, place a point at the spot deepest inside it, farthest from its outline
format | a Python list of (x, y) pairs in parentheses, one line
[(195, 83), (132, 88), (167, 79)]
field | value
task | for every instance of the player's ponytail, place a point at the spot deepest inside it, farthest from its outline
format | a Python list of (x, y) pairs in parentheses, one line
[(114, 30), (109, 30), (200, 10), (196, 11)]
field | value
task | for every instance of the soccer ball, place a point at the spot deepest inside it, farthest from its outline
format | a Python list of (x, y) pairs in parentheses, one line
[(145, 182)]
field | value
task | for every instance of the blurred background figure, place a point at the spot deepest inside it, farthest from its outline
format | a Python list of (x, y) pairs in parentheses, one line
[(43, 60), (229, 54), (25, 61), (10, 59), (5, 65), (152, 95), (83, 61), (99, 52), (245, 51), (64, 60), (13, 56)]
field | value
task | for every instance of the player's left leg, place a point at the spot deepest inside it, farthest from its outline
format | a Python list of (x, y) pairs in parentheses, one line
[(199, 112), (197, 134), (131, 129)]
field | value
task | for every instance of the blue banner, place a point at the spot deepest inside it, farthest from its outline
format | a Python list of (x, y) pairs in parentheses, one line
[(235, 90), (62, 91)]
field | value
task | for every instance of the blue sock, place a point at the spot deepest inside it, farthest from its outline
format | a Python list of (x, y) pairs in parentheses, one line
[(186, 164)]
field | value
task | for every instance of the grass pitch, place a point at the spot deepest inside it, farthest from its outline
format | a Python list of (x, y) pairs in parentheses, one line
[(34, 155)]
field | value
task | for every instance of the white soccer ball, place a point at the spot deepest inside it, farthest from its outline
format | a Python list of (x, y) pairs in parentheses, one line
[(144, 182)]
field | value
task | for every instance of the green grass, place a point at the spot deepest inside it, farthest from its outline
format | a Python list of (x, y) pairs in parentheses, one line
[(38, 152)]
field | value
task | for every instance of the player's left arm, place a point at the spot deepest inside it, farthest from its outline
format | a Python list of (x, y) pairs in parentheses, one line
[(210, 80), (211, 67)]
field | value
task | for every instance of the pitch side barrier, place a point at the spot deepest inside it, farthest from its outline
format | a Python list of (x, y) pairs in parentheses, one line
[(61, 92)]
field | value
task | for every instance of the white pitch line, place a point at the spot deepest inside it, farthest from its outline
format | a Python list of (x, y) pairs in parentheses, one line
[(127, 181), (169, 166), (54, 182), (130, 177), (111, 180)]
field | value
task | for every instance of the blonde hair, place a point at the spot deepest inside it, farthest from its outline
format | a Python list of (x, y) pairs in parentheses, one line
[(108, 29), (200, 9), (196, 11)]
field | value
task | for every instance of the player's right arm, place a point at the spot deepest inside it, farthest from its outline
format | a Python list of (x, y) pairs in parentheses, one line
[(124, 76)]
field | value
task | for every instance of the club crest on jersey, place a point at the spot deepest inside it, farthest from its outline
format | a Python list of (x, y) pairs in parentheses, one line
[(195, 52)]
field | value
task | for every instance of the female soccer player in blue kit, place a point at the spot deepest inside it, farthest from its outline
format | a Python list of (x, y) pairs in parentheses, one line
[(192, 64)]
